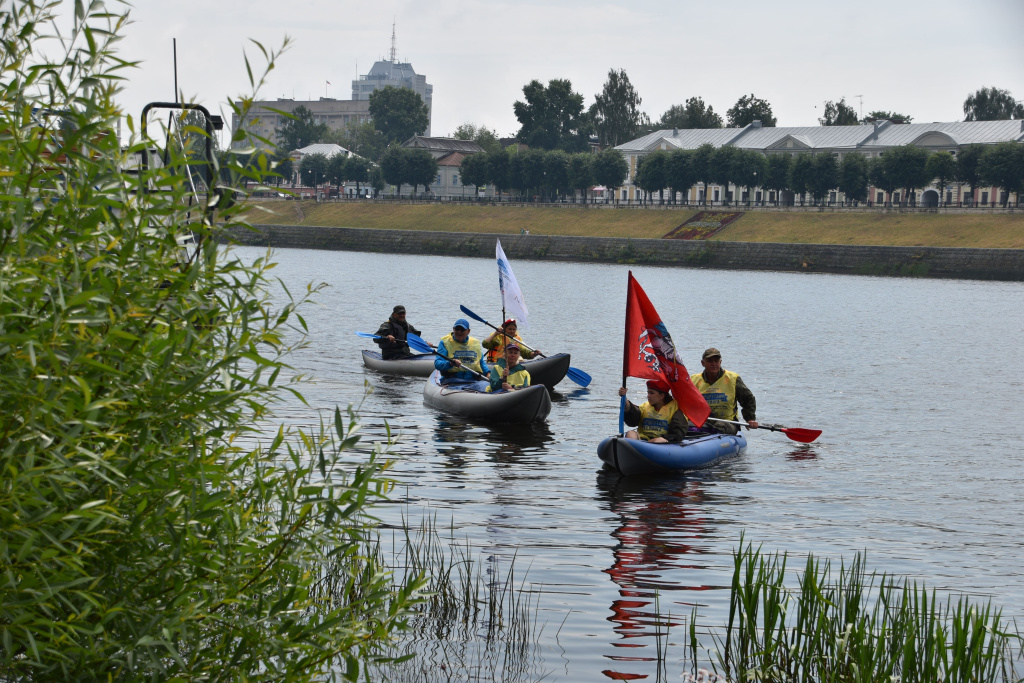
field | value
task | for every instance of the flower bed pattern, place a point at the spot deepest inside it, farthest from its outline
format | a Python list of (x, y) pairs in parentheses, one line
[(703, 225)]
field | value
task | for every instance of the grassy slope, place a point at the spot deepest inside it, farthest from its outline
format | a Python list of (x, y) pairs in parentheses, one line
[(939, 230)]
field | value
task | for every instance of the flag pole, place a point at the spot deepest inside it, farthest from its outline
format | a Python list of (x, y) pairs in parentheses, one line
[(625, 361)]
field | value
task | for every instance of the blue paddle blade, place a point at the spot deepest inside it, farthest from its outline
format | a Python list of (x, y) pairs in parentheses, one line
[(578, 376), (417, 344), (367, 335), (473, 315)]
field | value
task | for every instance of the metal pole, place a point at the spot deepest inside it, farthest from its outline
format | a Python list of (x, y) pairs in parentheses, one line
[(175, 43)]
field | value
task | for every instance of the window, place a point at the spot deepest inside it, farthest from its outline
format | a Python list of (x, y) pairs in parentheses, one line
[(437, 180), (984, 198), (880, 198), (896, 197), (455, 179)]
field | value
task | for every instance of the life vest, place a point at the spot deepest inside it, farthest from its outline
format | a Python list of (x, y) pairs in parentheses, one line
[(517, 379), (469, 354), (721, 396), (655, 422), (497, 351)]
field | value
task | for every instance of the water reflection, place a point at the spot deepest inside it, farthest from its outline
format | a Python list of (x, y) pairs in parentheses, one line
[(802, 452), (662, 527)]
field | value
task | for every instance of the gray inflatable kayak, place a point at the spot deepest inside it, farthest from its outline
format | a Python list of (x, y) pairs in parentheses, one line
[(548, 371), (523, 405), (414, 366)]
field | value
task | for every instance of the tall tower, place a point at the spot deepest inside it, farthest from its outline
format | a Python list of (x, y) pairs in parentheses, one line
[(394, 73)]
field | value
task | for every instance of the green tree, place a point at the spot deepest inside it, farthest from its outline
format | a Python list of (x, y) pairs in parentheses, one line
[(777, 174), (749, 109), (581, 173), (824, 176), (481, 135), (879, 175), (420, 168), (377, 180), (337, 170), (552, 117), (516, 177), (702, 166), (750, 170), (475, 171), (617, 115), (610, 170), (905, 166), (992, 104), (398, 113), (300, 130), (853, 177), (531, 171), (556, 172), (880, 115), (360, 138), (693, 114), (498, 169), (801, 174), (839, 114), (968, 161), (1002, 165), (284, 169), (393, 167), (723, 168), (156, 523), (679, 172), (941, 166), (314, 169), (357, 170), (651, 173)]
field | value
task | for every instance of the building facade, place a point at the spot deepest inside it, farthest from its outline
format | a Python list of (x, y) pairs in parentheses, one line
[(449, 153), (870, 140), (266, 117)]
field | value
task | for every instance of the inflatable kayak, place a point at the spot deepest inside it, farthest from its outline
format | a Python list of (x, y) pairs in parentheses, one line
[(524, 405), (420, 365), (632, 456)]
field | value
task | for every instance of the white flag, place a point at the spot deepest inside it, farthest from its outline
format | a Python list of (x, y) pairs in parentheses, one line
[(511, 296)]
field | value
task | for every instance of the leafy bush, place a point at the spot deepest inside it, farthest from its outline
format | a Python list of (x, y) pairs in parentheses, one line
[(152, 524)]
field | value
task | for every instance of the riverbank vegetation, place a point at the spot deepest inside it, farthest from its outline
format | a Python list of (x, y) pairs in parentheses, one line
[(155, 524), (978, 230)]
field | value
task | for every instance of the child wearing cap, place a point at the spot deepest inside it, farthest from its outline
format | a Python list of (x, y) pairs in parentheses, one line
[(508, 374), (495, 344)]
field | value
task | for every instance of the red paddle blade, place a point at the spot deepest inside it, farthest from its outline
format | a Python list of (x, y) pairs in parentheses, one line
[(801, 435)]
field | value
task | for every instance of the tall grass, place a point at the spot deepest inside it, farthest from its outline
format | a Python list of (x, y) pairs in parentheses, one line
[(852, 628)]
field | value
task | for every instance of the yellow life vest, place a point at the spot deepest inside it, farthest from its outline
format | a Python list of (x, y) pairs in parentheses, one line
[(655, 422), (496, 348), (468, 353), (721, 396), (517, 380)]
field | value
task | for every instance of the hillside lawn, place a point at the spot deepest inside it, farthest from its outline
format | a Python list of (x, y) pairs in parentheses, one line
[(982, 230)]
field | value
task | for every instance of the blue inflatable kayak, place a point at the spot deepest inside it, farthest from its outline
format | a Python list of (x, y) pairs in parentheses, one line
[(632, 456)]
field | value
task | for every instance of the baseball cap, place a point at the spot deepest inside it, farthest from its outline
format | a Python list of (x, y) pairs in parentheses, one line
[(711, 353), (461, 322), (659, 385), (398, 309)]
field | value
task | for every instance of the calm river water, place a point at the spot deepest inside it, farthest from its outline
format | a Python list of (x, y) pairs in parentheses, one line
[(916, 383)]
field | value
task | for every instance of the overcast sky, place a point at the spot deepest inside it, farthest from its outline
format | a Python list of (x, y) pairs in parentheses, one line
[(916, 57)]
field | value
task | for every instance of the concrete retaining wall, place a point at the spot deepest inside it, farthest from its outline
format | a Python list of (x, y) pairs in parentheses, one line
[(940, 262)]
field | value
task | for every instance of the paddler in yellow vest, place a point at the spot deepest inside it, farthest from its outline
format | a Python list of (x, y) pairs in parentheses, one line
[(465, 353), (495, 344), (659, 420), (508, 374), (722, 390)]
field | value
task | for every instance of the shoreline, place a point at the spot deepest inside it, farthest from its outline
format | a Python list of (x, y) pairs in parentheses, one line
[(897, 261)]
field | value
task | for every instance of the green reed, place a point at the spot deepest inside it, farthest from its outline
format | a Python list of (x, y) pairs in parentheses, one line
[(855, 628)]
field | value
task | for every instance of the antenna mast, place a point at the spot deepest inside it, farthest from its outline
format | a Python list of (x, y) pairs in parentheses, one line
[(394, 47), (861, 98)]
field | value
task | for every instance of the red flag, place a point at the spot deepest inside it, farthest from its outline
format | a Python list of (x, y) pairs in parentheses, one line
[(650, 354)]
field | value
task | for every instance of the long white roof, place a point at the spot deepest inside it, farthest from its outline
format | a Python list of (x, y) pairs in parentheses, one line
[(865, 136)]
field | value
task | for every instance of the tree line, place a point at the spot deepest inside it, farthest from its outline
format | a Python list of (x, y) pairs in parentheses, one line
[(903, 168)]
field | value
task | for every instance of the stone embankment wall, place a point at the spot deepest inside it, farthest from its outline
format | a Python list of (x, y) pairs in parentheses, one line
[(941, 262)]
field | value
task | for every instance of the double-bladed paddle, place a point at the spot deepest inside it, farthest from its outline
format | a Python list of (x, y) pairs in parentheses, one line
[(794, 433), (415, 341), (575, 374)]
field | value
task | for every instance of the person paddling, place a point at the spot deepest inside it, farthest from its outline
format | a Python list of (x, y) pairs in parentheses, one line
[(465, 353), (722, 390), (508, 374), (393, 333), (495, 343), (659, 420)]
